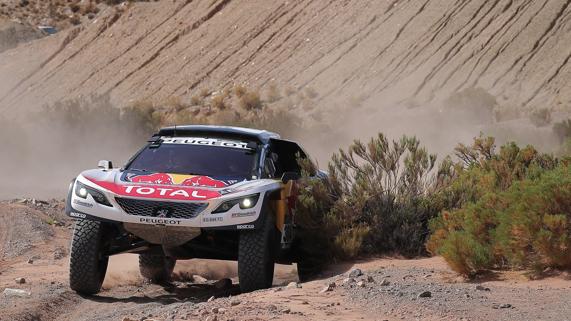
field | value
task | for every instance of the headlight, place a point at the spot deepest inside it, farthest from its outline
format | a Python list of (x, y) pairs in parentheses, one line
[(245, 202), (82, 191)]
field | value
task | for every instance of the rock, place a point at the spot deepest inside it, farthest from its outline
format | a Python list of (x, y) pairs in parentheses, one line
[(304, 302), (214, 310), (16, 293), (385, 282), (361, 284), (210, 299), (482, 288), (502, 306), (212, 318), (348, 281), (59, 253), (272, 307), (221, 310), (329, 287), (223, 284), (278, 289), (370, 279), (355, 273), (20, 280), (286, 310), (293, 285), (235, 302), (198, 279), (425, 294)]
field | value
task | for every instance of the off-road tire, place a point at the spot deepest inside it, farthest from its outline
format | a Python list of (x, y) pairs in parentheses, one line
[(87, 260), (156, 268), (256, 256)]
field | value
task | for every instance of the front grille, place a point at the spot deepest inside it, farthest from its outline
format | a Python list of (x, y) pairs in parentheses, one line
[(152, 208)]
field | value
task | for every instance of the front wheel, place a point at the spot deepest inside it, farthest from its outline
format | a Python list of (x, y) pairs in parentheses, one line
[(88, 262), (256, 256)]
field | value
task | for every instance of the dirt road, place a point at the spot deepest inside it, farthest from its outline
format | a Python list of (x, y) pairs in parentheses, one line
[(387, 289)]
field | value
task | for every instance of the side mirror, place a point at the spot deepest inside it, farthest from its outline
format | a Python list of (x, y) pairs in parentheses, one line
[(105, 165), (290, 176)]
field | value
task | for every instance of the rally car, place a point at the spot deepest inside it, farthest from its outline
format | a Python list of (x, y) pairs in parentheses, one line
[(210, 192)]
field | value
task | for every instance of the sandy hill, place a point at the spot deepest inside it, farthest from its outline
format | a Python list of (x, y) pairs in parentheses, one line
[(386, 52)]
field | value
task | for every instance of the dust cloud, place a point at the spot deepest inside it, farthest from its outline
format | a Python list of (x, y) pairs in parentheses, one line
[(440, 126), (44, 150)]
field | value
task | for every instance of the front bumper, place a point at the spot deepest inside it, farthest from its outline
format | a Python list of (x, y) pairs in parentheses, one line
[(162, 212)]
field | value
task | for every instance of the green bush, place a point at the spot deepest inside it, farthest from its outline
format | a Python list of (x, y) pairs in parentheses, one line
[(377, 199), (504, 210)]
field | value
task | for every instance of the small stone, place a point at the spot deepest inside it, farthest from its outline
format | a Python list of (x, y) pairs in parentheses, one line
[(425, 294), (385, 282), (304, 302), (361, 284), (329, 287), (293, 285), (278, 289), (16, 293), (59, 253), (355, 273), (286, 310), (31, 261), (198, 279), (214, 310), (348, 280), (235, 302), (212, 318), (370, 279), (221, 310), (210, 299), (505, 306), (20, 280), (272, 307), (223, 284), (482, 288)]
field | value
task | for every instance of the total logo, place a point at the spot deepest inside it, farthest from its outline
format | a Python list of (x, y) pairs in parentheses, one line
[(160, 191)]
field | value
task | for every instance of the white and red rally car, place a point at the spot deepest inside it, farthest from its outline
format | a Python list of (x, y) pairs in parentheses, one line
[(192, 192)]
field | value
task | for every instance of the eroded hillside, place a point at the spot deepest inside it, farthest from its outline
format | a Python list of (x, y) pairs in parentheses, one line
[(386, 52)]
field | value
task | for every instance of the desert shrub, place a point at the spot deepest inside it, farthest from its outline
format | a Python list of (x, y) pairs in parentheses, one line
[(375, 200), (525, 226), (250, 101), (490, 210), (218, 102)]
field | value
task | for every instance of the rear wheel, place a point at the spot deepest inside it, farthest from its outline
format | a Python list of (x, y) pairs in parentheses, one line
[(156, 267), (256, 256), (88, 262)]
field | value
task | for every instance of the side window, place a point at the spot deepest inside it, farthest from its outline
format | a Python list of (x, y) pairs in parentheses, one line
[(285, 158)]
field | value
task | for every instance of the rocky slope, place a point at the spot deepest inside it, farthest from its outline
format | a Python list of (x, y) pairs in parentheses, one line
[(381, 52)]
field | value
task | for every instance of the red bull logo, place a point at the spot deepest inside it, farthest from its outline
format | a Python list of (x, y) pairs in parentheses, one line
[(176, 179), (155, 178), (203, 181)]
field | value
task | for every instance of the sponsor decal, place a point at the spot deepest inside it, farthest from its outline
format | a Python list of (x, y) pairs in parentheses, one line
[(245, 227), (176, 179), (204, 142), (163, 221), (78, 202), (148, 191), (244, 214), (212, 219), (78, 215)]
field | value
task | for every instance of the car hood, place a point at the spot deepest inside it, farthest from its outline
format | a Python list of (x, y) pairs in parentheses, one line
[(168, 186)]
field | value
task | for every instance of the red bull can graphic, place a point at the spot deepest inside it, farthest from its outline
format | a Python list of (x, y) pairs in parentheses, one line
[(175, 179), (203, 181)]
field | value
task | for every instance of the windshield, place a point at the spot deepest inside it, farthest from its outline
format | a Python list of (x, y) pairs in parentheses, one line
[(196, 160)]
